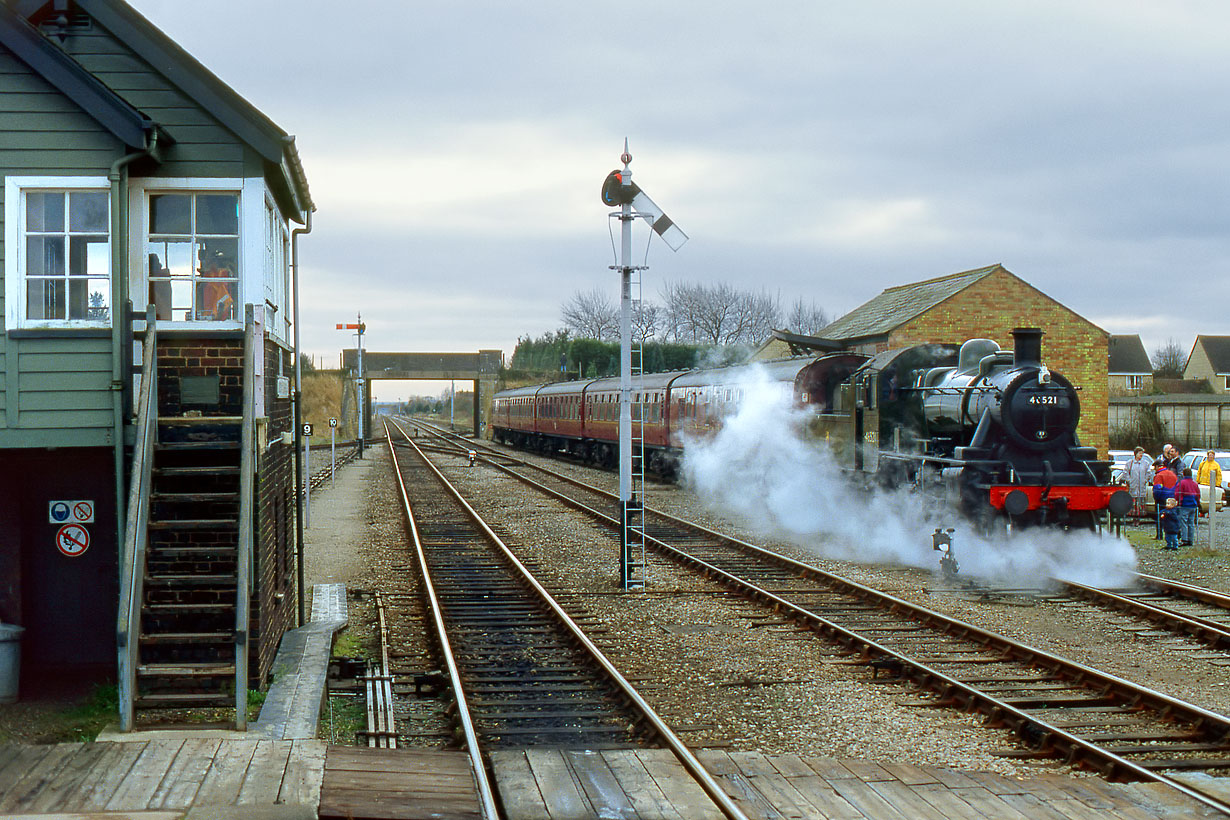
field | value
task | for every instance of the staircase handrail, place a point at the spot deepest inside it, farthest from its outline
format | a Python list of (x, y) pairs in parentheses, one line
[(243, 569), (132, 566)]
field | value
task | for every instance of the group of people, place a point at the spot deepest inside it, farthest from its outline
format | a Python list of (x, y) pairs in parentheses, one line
[(1176, 492)]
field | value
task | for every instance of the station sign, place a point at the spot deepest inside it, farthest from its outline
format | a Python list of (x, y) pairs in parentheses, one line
[(79, 511)]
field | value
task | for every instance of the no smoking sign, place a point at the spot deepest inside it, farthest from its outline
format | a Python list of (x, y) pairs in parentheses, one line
[(72, 540)]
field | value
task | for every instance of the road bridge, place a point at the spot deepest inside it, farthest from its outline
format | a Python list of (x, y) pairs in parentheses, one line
[(481, 368)]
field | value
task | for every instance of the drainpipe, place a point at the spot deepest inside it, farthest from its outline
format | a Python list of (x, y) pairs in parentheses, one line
[(294, 262), (120, 351)]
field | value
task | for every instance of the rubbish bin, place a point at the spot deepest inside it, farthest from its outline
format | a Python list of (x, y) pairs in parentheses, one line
[(10, 661)]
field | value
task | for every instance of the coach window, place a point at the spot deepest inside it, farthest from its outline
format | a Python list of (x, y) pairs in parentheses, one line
[(58, 269)]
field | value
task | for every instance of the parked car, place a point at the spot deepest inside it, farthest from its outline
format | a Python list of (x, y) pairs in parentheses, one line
[(1192, 459), (1120, 458)]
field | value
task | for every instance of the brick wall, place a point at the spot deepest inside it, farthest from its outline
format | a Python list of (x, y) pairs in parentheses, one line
[(993, 306), (200, 357), (274, 604)]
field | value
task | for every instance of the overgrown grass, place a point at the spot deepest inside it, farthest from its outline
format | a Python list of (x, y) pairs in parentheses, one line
[(341, 718), (84, 721)]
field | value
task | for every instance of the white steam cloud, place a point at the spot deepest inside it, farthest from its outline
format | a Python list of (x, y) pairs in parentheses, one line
[(762, 468)]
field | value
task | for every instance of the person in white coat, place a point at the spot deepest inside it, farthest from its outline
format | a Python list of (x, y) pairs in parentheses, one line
[(1139, 480)]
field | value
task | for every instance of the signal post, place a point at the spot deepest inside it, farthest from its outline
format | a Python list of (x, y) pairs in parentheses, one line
[(618, 189)]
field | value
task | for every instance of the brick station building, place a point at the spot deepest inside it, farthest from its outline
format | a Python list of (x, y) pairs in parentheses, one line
[(987, 303)]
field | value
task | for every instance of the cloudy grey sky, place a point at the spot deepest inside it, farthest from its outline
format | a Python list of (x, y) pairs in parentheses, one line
[(818, 149)]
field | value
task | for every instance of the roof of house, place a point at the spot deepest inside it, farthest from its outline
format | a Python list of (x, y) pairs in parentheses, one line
[(111, 111), (239, 116), (896, 306), (1217, 348), (1127, 357)]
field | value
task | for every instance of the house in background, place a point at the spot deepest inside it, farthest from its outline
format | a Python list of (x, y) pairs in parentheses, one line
[(1209, 360), (1128, 370), (131, 175), (986, 303)]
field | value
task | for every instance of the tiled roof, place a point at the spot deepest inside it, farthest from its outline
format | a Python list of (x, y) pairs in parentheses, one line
[(898, 305), (1128, 357), (1217, 348)]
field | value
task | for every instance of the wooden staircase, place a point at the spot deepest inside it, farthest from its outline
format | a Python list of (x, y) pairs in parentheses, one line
[(185, 570), (186, 652)]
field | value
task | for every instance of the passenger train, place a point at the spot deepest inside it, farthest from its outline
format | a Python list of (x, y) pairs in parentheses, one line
[(994, 430)]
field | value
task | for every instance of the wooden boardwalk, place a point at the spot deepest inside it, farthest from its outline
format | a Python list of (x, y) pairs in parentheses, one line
[(397, 784), (559, 785), (225, 778), (153, 775)]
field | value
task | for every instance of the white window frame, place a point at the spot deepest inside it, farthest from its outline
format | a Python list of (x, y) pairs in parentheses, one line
[(276, 256), (251, 290), (15, 253), (1135, 382)]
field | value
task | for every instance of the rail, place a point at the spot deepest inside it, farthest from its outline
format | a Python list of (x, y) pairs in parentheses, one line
[(132, 566), (481, 781), (1030, 727), (682, 753), (243, 558), (1215, 633)]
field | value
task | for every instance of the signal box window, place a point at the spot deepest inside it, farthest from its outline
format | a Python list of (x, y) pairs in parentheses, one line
[(193, 255), (65, 258)]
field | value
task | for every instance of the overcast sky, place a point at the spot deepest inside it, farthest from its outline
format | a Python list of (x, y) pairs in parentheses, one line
[(821, 150)]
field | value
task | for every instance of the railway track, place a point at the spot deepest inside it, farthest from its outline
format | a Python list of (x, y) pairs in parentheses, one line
[(522, 671), (1055, 706), (324, 474), (1185, 610)]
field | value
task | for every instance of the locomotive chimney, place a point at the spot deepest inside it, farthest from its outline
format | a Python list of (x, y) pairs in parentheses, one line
[(1027, 345)]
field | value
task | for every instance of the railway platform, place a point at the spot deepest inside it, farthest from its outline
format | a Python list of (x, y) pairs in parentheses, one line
[(205, 778)]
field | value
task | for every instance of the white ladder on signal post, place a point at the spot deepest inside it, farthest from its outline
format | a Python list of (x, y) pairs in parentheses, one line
[(634, 574)]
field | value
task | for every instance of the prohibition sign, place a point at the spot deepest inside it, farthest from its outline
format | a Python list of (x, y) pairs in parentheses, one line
[(73, 540)]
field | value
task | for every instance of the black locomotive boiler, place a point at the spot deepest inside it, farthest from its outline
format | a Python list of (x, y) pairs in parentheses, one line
[(994, 428)]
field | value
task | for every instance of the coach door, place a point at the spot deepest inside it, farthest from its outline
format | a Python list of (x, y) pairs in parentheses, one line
[(867, 423)]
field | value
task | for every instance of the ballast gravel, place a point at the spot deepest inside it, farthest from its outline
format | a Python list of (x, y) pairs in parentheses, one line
[(731, 674)]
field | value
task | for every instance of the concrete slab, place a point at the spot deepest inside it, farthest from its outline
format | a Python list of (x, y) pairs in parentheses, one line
[(292, 707), (113, 734)]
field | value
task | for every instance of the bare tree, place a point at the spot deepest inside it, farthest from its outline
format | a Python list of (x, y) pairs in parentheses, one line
[(591, 315), (645, 319), (753, 318), (717, 314), (806, 318), (1168, 360)]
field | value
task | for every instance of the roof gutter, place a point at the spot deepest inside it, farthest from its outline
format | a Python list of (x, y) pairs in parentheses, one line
[(121, 326), (298, 401)]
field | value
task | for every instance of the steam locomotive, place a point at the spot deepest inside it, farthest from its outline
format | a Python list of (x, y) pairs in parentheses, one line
[(993, 430)]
